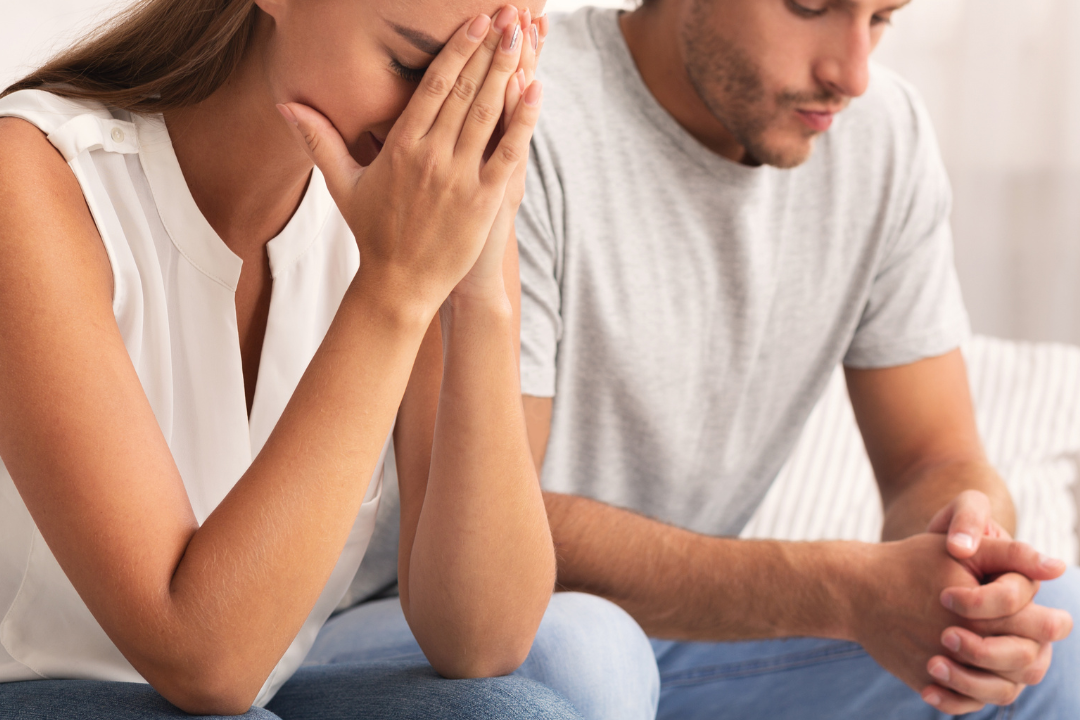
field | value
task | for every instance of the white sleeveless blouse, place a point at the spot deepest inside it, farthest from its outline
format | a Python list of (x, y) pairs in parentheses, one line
[(174, 282)]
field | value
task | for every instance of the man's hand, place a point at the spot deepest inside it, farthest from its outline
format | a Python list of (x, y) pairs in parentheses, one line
[(966, 521), (926, 603)]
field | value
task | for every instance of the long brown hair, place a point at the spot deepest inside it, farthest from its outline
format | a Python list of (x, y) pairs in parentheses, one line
[(156, 56)]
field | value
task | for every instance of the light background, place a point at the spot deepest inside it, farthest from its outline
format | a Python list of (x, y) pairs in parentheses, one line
[(1002, 81)]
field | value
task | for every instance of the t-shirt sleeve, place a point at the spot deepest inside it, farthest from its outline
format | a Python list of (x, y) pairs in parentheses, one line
[(915, 309), (538, 234)]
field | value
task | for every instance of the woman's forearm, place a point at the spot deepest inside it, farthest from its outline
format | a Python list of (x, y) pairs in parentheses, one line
[(480, 570)]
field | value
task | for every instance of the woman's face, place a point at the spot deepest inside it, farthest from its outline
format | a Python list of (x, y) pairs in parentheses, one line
[(359, 61)]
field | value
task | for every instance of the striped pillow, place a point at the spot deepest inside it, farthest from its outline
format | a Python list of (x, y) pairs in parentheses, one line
[(1027, 402)]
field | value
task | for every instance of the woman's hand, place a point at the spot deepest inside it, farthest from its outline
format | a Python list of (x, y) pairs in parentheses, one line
[(485, 279), (423, 210)]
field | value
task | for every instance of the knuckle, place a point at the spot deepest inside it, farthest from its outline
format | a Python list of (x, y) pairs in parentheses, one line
[(510, 154), (485, 113), (436, 84), (465, 88), (1033, 675)]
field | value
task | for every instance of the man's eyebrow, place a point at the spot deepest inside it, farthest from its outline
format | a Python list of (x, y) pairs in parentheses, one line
[(421, 40)]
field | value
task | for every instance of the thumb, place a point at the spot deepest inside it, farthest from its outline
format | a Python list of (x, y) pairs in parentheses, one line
[(326, 147), (966, 521)]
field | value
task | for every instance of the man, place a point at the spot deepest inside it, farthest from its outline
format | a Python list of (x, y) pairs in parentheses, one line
[(725, 201)]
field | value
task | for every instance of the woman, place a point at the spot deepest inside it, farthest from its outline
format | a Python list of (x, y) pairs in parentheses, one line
[(198, 385)]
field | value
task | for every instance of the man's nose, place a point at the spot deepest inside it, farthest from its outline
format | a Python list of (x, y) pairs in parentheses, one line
[(844, 68)]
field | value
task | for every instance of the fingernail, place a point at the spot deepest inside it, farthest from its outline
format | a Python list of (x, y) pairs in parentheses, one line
[(963, 540), (506, 16), (287, 114), (526, 18), (534, 34), (510, 42), (534, 93), (948, 601), (520, 77), (1049, 562), (479, 27), (951, 641), (932, 698), (940, 671)]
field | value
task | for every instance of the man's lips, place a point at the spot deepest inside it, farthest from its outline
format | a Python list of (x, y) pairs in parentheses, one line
[(817, 120)]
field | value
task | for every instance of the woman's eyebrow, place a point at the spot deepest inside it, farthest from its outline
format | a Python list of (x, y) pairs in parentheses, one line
[(421, 40)]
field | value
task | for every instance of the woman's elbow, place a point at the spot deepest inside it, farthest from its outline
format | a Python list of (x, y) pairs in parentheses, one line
[(495, 661), (214, 691)]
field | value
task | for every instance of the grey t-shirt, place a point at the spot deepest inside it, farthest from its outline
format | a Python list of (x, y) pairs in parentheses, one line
[(686, 311)]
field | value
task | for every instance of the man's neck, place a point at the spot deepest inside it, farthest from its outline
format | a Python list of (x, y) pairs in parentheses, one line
[(652, 34), (245, 170)]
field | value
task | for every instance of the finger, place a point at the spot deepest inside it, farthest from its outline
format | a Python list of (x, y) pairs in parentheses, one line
[(949, 702), (976, 684), (513, 149), (1003, 556), (487, 109), (1015, 658), (544, 26), (1005, 596), (528, 47), (514, 90), (1035, 622), (439, 79), (325, 146), (452, 116), (971, 517)]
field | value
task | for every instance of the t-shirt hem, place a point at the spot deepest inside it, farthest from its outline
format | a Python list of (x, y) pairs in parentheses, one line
[(894, 353)]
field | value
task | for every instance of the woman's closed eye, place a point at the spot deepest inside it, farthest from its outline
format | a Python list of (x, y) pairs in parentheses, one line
[(409, 74)]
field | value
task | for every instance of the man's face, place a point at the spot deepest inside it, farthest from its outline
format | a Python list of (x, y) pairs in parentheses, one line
[(776, 72)]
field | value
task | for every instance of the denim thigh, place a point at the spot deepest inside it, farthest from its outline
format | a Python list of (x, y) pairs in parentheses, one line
[(812, 679), (587, 649)]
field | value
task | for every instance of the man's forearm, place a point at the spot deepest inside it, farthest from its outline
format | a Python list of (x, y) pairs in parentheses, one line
[(685, 586), (910, 508)]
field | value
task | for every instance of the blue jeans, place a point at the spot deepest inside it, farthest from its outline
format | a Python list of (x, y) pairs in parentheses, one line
[(587, 650), (375, 691), (809, 679)]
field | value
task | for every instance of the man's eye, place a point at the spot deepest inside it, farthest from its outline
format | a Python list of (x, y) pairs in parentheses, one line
[(409, 74), (805, 12)]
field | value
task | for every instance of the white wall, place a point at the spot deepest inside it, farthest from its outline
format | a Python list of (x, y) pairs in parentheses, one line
[(1002, 81)]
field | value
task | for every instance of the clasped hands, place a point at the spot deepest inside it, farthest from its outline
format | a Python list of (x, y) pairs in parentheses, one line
[(986, 639)]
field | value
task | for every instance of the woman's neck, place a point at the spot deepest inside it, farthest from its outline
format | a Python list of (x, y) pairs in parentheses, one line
[(243, 165)]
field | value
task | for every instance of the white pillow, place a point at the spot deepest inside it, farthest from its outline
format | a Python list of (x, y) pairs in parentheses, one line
[(1027, 402)]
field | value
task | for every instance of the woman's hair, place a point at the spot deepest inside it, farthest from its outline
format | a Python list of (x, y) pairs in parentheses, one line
[(156, 56)]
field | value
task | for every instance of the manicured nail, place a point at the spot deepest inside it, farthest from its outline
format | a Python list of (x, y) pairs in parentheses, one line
[(506, 16), (534, 34), (963, 540), (526, 18), (520, 77), (533, 94), (287, 114), (932, 698), (951, 641), (479, 27), (513, 38), (940, 671)]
